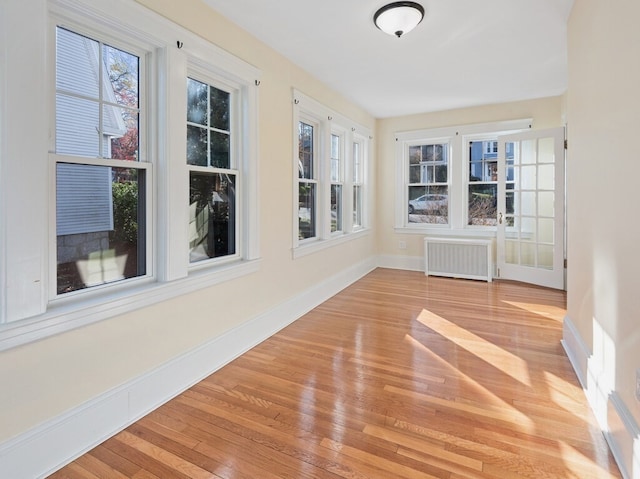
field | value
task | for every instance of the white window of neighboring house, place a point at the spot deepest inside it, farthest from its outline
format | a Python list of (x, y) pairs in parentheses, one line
[(213, 172), (330, 168), (101, 172)]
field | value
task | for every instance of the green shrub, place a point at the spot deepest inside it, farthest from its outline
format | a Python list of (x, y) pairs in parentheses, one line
[(125, 211)]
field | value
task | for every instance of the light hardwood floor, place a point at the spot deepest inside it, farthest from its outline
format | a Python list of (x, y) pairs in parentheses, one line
[(398, 376)]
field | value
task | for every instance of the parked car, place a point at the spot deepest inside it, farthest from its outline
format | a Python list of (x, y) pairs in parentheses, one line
[(427, 203)]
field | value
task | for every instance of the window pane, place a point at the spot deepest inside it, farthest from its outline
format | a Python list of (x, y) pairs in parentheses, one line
[(305, 151), (415, 158), (77, 126), (120, 133), (196, 102), (356, 163), (76, 64), (87, 124), (336, 208), (219, 105), (428, 204), (428, 163), (357, 206), (212, 216), (196, 146), (121, 86), (220, 153), (100, 225), (335, 158), (483, 204), (306, 210)]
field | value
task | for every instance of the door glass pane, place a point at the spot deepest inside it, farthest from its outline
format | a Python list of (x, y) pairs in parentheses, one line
[(545, 256), (528, 229), (527, 254), (545, 150), (546, 177), (509, 200), (511, 251), (528, 177), (545, 203), (528, 152), (527, 203), (545, 230)]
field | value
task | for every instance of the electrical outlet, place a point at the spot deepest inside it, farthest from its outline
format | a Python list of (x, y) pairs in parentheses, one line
[(402, 244)]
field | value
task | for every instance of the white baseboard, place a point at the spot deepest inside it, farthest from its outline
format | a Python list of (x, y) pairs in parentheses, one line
[(46, 448), (409, 263), (617, 423), (577, 351)]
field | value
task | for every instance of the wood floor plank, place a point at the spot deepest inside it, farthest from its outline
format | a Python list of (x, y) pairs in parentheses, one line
[(399, 375)]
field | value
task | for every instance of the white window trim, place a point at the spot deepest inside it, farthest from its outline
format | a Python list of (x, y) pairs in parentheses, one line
[(26, 270), (458, 175), (327, 122)]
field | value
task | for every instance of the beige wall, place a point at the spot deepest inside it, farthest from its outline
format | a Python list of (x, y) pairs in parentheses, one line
[(603, 113), (51, 376), (546, 113)]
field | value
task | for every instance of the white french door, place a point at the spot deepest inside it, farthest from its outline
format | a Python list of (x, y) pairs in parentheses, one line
[(531, 194)]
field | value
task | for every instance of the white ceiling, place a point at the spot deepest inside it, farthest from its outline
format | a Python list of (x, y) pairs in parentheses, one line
[(464, 53)]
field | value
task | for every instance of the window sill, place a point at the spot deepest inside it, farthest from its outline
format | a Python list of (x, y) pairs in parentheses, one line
[(305, 249), (431, 231), (67, 314)]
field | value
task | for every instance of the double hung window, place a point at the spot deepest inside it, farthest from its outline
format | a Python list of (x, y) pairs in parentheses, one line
[(357, 179), (307, 179), (101, 169), (212, 172), (483, 183), (428, 189)]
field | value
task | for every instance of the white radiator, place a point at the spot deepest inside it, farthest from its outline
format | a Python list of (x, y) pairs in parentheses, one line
[(458, 257)]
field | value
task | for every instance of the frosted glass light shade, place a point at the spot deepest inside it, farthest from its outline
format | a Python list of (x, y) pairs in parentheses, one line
[(398, 18)]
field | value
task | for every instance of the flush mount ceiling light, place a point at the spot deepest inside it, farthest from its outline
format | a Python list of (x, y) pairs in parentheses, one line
[(398, 18)]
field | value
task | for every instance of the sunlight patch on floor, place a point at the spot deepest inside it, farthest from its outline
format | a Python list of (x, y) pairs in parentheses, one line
[(497, 357), (546, 310), (489, 400)]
